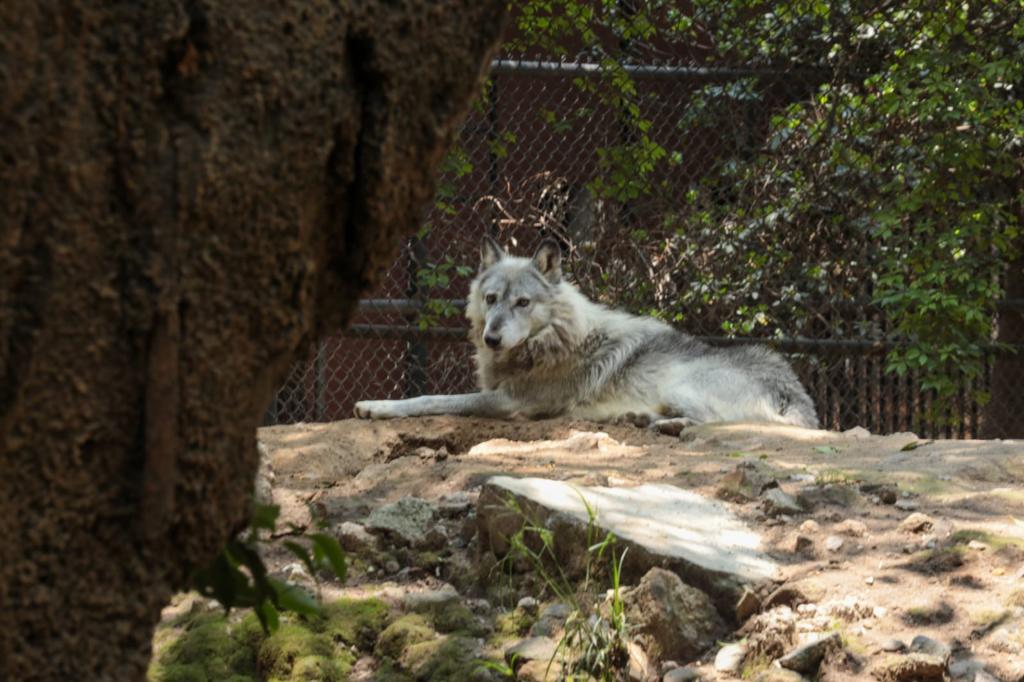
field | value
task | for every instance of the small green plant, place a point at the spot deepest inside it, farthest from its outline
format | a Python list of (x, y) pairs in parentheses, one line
[(506, 671), (595, 638), (237, 577)]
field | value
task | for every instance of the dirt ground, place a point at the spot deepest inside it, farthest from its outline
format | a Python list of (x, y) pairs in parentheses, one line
[(959, 581)]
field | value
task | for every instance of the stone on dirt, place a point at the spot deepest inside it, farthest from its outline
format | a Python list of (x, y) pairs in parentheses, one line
[(409, 521), (911, 668), (916, 523), (686, 674), (669, 618), (730, 657), (807, 658), (745, 483), (658, 525), (927, 645), (531, 649), (777, 502)]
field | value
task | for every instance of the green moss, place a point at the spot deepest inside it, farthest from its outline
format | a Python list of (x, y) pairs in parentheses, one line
[(996, 542), (754, 665), (929, 614), (989, 618), (206, 650), (454, 617), (355, 622), (407, 630), (291, 642), (320, 669), (451, 657), (512, 625)]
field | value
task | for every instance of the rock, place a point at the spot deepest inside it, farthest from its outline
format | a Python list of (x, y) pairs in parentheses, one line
[(686, 674), (806, 659), (747, 606), (540, 671), (798, 543), (986, 676), (849, 609), (857, 433), (729, 658), (529, 606), (886, 493), (977, 546), (778, 675), (833, 543), (659, 524), (916, 523), (1008, 639), (927, 645), (906, 504), (852, 528), (893, 645), (810, 526), (454, 505), (776, 502), (409, 521), (551, 619), (911, 668), (669, 618), (745, 483), (429, 600), (531, 649), (640, 669), (967, 668), (354, 538), (812, 496), (786, 595)]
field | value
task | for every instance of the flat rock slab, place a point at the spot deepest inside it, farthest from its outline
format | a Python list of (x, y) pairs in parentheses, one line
[(662, 525)]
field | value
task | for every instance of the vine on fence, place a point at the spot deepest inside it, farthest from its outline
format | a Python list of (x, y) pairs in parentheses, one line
[(883, 167)]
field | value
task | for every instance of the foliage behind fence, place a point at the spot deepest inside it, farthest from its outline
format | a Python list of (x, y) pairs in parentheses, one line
[(842, 180)]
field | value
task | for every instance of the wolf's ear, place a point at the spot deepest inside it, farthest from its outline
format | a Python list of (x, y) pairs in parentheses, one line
[(548, 260), (490, 252)]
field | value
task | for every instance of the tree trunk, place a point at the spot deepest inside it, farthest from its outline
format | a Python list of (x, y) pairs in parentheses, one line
[(191, 191)]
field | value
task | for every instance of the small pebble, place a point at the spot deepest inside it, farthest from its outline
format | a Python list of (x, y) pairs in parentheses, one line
[(892, 644)]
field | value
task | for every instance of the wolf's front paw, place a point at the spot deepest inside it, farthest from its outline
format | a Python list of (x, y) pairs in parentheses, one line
[(375, 409)]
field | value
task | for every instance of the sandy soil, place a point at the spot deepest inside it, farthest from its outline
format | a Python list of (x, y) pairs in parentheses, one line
[(970, 489)]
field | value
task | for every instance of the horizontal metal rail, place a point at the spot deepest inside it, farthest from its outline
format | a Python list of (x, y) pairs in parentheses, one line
[(528, 67), (786, 345), (408, 305)]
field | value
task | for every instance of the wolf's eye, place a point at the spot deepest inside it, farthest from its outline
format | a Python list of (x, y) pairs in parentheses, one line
[(490, 299), (523, 302)]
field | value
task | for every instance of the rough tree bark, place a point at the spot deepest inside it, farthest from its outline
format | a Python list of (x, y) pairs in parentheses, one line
[(190, 192)]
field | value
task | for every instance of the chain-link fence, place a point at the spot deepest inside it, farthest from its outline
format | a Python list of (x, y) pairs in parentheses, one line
[(659, 172)]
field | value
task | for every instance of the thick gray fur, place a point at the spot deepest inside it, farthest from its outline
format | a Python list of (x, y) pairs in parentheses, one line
[(552, 351)]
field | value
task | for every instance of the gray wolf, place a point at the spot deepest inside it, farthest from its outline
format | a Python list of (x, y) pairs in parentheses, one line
[(544, 349)]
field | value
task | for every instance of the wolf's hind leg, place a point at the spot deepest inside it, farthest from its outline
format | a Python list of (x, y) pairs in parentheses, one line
[(641, 420), (486, 404), (673, 426)]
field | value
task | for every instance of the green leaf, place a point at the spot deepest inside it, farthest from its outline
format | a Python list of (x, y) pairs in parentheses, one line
[(302, 554), (294, 598), (268, 616), (826, 449), (328, 548), (264, 516)]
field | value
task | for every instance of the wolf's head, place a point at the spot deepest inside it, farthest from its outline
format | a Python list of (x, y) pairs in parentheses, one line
[(511, 299)]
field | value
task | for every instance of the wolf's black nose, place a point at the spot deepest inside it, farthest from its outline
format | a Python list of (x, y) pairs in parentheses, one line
[(492, 341)]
